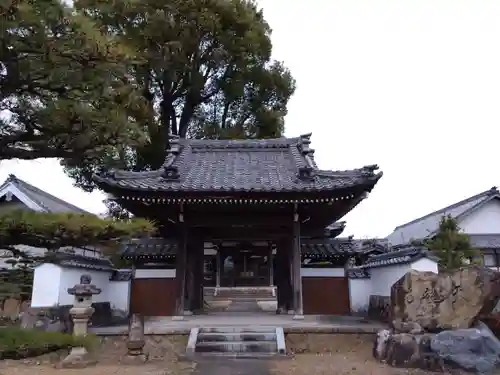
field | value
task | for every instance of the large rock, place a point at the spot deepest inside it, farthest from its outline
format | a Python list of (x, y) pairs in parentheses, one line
[(449, 300), (473, 349), (406, 350)]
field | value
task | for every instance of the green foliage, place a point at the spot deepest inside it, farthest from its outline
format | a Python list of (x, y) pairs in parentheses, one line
[(17, 282), (55, 230), (18, 343), (451, 245), (64, 83), (203, 68)]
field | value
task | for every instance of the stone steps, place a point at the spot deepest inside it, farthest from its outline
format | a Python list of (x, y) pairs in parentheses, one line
[(241, 299), (241, 292), (244, 342)]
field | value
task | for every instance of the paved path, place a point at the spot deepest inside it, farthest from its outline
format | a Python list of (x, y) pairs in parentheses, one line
[(226, 366)]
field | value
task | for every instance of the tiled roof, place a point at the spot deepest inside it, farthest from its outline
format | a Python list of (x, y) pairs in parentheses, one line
[(427, 225), (326, 248), (44, 200), (485, 241), (79, 261), (358, 273), (311, 248), (398, 255), (335, 229), (148, 247), (267, 165)]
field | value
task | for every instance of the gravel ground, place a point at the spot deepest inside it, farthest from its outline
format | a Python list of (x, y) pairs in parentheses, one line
[(164, 360), (333, 355), (337, 355)]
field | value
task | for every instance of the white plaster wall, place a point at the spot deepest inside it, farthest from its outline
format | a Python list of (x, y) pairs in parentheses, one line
[(425, 265), (484, 220), (382, 278), (322, 272), (154, 274), (71, 276), (359, 295), (118, 293), (46, 285)]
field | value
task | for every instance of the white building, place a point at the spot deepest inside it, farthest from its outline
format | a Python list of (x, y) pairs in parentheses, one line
[(478, 216)]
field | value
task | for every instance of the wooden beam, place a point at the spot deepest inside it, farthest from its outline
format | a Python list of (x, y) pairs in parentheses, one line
[(210, 221), (240, 234)]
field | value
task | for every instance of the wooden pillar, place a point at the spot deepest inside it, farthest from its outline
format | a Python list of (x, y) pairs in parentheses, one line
[(218, 266), (296, 263), (198, 274), (180, 269), (283, 276), (271, 266), (189, 292)]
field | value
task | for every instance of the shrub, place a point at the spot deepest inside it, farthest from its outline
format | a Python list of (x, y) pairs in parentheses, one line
[(17, 343)]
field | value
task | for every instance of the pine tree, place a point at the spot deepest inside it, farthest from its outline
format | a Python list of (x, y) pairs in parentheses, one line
[(64, 87), (451, 245)]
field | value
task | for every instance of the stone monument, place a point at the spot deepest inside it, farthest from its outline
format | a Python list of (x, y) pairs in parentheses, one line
[(135, 341), (81, 312), (448, 300)]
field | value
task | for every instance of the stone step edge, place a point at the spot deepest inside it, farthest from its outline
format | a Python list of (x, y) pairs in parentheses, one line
[(234, 343), (237, 329), (235, 336), (236, 356)]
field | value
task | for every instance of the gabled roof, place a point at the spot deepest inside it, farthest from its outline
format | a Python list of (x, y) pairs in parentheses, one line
[(35, 198), (427, 225), (263, 165)]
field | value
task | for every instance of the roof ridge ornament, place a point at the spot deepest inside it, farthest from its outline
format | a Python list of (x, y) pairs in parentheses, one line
[(171, 171), (174, 145), (369, 170), (12, 178), (303, 145), (306, 173)]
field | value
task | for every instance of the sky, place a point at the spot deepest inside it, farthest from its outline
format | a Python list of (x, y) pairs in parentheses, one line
[(410, 85)]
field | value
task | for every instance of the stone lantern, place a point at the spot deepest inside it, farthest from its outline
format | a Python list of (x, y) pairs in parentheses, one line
[(81, 312)]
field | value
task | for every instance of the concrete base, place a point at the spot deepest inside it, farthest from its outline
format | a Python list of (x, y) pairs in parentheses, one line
[(78, 358), (298, 317), (178, 318), (310, 324), (134, 359)]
